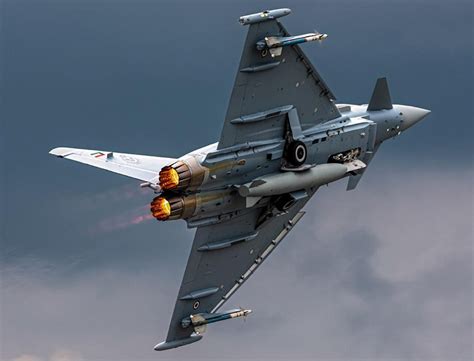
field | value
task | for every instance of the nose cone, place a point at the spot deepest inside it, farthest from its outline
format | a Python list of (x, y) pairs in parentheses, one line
[(411, 115)]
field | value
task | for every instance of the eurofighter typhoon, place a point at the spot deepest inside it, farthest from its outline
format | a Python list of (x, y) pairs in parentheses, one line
[(283, 137)]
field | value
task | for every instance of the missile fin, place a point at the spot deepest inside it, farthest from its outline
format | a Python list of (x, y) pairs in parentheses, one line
[(275, 52), (200, 329), (271, 40)]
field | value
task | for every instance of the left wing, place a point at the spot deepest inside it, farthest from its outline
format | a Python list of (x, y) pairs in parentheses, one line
[(142, 167), (267, 87), (223, 257)]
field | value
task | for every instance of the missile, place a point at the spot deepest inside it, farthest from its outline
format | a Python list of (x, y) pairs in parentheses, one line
[(275, 43), (200, 320), (287, 182)]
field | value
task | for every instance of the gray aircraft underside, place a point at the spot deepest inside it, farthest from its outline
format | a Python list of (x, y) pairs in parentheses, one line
[(283, 137)]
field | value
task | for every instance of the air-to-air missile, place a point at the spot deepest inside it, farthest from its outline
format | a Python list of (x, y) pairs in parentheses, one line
[(199, 323), (275, 44), (200, 320)]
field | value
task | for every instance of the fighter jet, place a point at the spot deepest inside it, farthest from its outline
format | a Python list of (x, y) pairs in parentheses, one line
[(283, 137)]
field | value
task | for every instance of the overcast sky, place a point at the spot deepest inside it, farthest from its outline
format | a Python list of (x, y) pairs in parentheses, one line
[(382, 272)]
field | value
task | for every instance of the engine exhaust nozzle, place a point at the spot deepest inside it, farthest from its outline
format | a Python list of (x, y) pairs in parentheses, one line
[(185, 174)]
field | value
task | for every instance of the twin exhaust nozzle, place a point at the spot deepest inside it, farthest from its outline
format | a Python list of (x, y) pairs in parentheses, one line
[(178, 176), (172, 206)]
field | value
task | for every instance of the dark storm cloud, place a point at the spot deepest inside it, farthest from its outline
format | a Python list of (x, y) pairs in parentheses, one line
[(381, 272)]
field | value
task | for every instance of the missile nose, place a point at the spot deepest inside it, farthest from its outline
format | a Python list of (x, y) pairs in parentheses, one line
[(411, 115)]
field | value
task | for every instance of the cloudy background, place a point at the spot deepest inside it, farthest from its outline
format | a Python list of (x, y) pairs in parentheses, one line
[(381, 273)]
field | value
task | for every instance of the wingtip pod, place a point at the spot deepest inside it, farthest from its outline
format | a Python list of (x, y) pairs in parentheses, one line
[(264, 16), (166, 345)]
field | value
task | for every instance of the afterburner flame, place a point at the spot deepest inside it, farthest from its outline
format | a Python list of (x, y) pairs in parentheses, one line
[(169, 178), (160, 208)]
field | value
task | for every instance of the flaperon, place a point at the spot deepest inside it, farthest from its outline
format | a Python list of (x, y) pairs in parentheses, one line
[(283, 137)]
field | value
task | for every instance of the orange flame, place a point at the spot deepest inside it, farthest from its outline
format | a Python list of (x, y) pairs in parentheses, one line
[(169, 178), (160, 208)]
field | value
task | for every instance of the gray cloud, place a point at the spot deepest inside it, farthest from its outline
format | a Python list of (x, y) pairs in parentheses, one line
[(58, 355), (360, 277)]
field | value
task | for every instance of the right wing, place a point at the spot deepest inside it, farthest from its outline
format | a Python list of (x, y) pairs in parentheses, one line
[(266, 85), (142, 167), (223, 257)]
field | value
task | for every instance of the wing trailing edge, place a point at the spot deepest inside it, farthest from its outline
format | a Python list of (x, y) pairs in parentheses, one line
[(141, 167)]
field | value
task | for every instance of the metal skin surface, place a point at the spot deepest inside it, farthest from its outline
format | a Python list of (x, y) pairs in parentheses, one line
[(283, 137)]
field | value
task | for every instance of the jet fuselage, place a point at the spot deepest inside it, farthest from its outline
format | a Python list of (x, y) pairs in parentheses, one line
[(356, 134)]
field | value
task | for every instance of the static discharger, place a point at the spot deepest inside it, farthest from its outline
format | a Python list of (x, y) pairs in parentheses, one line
[(160, 208)]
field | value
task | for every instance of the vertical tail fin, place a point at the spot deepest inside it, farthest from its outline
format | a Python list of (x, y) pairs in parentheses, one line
[(381, 96)]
